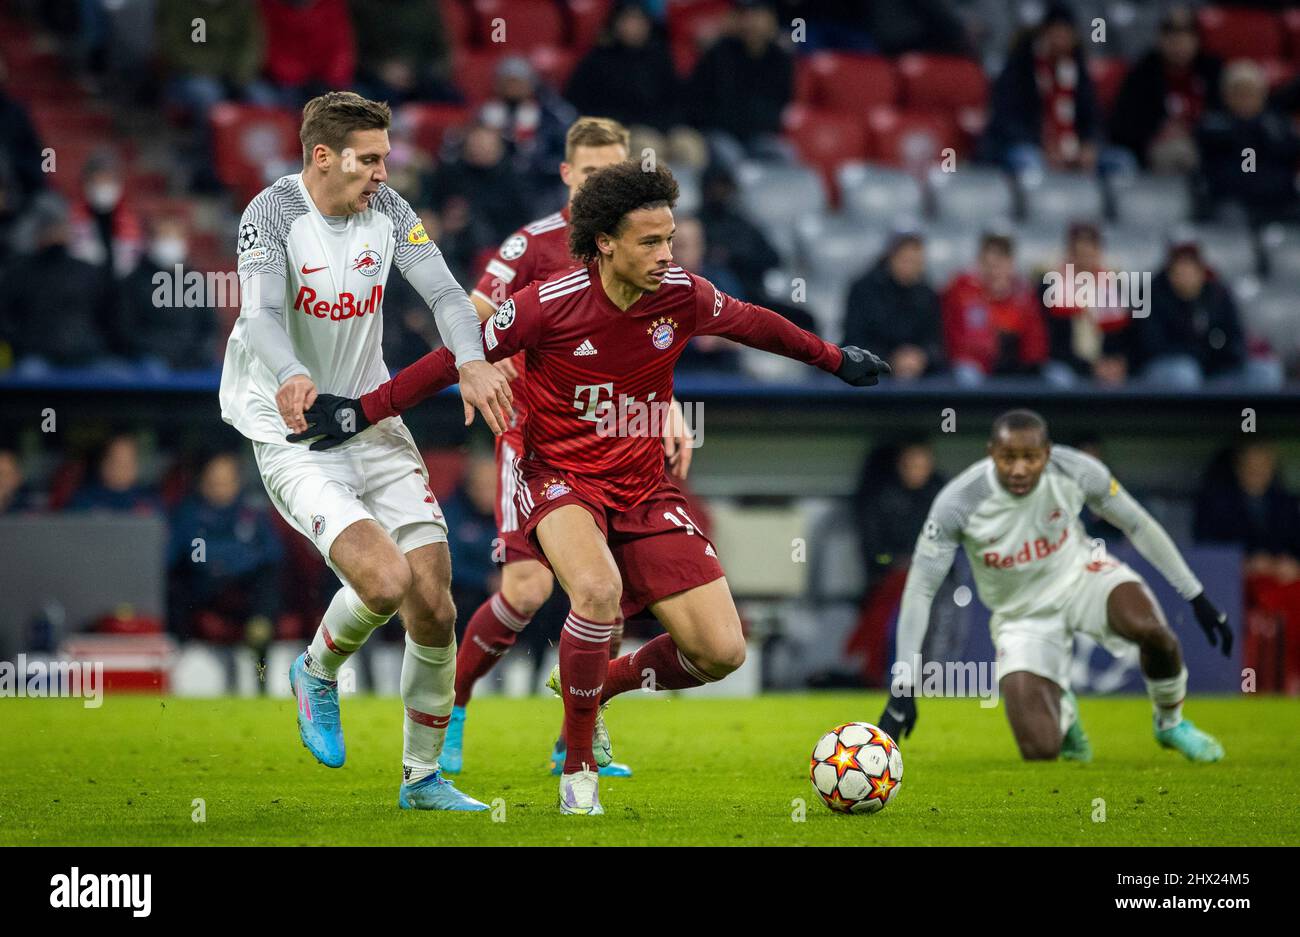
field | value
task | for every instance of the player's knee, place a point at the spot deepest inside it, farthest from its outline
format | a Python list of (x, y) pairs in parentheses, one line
[(596, 595), (724, 658), (383, 588), (1159, 639), (1040, 748), (527, 592)]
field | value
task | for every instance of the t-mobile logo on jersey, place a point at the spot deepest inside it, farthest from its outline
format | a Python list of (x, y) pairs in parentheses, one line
[(628, 417)]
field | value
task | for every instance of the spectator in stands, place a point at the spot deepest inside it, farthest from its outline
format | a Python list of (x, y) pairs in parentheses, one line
[(895, 489), (105, 230), (1164, 96), (20, 162), (1091, 342), (15, 495), (892, 310), (170, 335), (477, 194), (992, 322), (1193, 333), (471, 532), (1243, 501), (310, 49), (224, 562), (732, 240), (116, 483), (742, 83), (1043, 112), (56, 308), (705, 352), (1247, 129), (403, 52), (532, 120), (628, 75)]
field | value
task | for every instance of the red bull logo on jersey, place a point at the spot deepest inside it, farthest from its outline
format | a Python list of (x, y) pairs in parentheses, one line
[(346, 307), (1038, 549), (368, 263)]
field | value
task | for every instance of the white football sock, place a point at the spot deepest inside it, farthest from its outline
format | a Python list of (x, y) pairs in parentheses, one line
[(1069, 712), (428, 690), (344, 628), (1167, 695)]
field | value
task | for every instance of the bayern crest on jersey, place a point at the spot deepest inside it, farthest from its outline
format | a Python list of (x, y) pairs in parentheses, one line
[(555, 488), (662, 332)]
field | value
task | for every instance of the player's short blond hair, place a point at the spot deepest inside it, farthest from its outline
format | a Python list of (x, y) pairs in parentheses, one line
[(331, 117), (594, 131)]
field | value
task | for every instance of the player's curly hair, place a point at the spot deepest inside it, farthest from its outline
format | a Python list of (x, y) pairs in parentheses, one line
[(607, 196)]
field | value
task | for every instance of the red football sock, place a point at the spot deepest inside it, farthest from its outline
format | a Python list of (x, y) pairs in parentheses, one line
[(584, 658), (490, 633), (669, 669)]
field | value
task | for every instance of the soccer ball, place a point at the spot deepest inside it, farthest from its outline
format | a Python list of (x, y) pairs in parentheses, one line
[(856, 768)]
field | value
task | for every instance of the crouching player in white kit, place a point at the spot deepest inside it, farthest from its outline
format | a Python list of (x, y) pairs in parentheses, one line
[(314, 252), (1017, 515)]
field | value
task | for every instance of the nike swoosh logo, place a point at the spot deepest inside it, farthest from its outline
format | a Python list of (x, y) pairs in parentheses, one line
[(306, 269)]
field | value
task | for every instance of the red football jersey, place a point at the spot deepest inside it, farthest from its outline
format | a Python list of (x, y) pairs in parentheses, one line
[(536, 251), (594, 370)]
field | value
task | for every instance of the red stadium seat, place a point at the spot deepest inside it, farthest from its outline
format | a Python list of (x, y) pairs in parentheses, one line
[(473, 72), (1291, 26), (1232, 33), (1278, 71), (701, 21), (911, 138), (685, 54), (554, 63), (246, 139), (844, 82), (1107, 77), (526, 24), (825, 139), (941, 82), (586, 20), (458, 22), (429, 123)]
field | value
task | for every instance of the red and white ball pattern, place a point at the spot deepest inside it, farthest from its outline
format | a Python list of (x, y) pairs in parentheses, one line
[(856, 768)]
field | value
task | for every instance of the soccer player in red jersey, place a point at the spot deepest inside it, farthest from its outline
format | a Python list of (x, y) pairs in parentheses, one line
[(593, 496)]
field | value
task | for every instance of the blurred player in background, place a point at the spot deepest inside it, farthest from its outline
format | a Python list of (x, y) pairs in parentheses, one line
[(1016, 512), (592, 493), (315, 249)]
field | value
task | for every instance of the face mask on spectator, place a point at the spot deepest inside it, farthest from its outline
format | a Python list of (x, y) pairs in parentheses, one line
[(167, 251), (104, 196)]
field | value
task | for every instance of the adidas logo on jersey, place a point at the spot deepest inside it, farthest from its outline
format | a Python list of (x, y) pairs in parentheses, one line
[(709, 551), (586, 348)]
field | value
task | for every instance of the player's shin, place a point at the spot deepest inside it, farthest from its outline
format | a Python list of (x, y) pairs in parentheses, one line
[(343, 629), (657, 665), (584, 662), (492, 630), (428, 678), (1167, 694)]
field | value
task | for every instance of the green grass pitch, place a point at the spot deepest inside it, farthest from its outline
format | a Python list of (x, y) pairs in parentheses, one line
[(708, 771)]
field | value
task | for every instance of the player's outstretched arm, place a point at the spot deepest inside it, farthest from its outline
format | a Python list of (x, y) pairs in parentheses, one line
[(761, 328), (1112, 503)]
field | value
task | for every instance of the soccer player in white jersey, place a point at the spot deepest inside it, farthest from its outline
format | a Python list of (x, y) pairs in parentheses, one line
[(314, 253), (1016, 513)]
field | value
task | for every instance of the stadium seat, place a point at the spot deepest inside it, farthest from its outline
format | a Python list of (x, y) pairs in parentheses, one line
[(586, 20), (879, 194), (526, 24), (253, 145), (429, 123), (474, 71), (911, 138), (1235, 33), (840, 246), (825, 139), (845, 82), (688, 184), (1281, 245), (1040, 246), (775, 195), (554, 64), (1150, 200), (1269, 311), (1133, 248), (700, 21), (1230, 251), (949, 249), (941, 82), (972, 194), (1061, 196), (1132, 28), (1291, 26), (1107, 78), (458, 23)]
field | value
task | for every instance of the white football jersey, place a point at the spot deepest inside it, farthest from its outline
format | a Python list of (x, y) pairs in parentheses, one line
[(333, 299)]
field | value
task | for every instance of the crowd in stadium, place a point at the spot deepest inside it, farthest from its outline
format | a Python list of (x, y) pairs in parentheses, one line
[(811, 162)]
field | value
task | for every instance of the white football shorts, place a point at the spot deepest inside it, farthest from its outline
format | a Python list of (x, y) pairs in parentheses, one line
[(378, 474), (1044, 643)]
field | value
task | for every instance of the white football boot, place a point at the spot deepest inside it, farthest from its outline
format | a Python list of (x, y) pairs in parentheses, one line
[(580, 793)]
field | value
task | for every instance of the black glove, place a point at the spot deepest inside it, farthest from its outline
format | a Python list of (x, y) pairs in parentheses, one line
[(1214, 623), (899, 716), (333, 419), (860, 367)]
